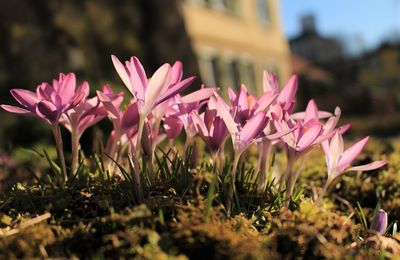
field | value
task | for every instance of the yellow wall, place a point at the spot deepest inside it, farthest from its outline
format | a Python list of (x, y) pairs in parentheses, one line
[(240, 36)]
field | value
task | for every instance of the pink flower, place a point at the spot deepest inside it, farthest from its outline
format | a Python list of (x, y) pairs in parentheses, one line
[(49, 101), (242, 136), (211, 128), (339, 160), (244, 105), (123, 120), (184, 107), (86, 114), (165, 83)]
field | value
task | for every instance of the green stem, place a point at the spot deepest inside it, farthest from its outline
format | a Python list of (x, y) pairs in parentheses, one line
[(60, 151), (232, 188)]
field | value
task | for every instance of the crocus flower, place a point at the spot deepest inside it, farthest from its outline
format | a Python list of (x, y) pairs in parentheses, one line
[(246, 105), (124, 121), (211, 128), (86, 114), (164, 83), (242, 136), (49, 101), (308, 133), (339, 161), (379, 222)]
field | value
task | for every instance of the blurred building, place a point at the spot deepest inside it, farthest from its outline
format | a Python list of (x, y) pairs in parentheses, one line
[(309, 44), (380, 68), (235, 40)]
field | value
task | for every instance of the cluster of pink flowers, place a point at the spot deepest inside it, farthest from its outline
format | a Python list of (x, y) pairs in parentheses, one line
[(157, 111)]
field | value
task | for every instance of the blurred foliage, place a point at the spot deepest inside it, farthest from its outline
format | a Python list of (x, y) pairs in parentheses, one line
[(42, 38)]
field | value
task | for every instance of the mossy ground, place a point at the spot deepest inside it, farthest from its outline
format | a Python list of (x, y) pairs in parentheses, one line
[(179, 218)]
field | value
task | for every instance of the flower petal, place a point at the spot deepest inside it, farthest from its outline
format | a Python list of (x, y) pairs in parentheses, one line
[(270, 82), (26, 98), (309, 137), (130, 117), (199, 95), (288, 93), (121, 70), (174, 90), (368, 167), (48, 110), (138, 78), (351, 153), (253, 127), (17, 110), (223, 111), (176, 72)]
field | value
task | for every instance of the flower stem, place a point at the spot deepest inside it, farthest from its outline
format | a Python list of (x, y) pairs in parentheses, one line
[(264, 174), (139, 137), (291, 181), (186, 146), (324, 190), (60, 151), (232, 187), (136, 156), (75, 151)]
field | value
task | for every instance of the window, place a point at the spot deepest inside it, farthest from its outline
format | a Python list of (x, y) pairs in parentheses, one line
[(209, 70), (251, 77), (235, 74), (263, 12), (216, 70)]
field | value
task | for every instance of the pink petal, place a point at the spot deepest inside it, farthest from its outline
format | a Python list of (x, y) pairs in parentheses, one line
[(288, 93), (243, 100), (17, 110), (48, 110), (158, 84), (335, 150), (199, 124), (130, 117), (309, 137), (280, 134), (138, 78), (265, 101), (174, 90), (199, 95), (112, 110), (26, 98), (177, 72), (173, 126), (311, 111), (253, 127), (67, 86), (121, 70), (223, 111), (351, 153), (333, 120), (270, 82), (368, 167), (232, 96)]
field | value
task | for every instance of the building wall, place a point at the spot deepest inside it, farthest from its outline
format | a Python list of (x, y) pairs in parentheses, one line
[(380, 70), (235, 43)]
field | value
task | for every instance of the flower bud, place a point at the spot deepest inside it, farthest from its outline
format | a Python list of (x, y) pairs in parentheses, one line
[(379, 222)]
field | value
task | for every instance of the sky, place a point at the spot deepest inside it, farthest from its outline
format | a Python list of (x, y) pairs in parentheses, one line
[(362, 24)]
